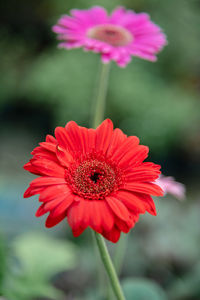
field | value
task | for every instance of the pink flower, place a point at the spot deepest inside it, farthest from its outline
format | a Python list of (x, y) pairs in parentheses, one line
[(170, 186), (117, 37)]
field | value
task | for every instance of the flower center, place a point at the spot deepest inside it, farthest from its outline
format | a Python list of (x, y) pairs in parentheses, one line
[(111, 34), (93, 178)]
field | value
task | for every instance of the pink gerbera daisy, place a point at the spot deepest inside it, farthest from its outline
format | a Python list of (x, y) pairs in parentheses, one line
[(117, 37), (95, 178), (170, 186)]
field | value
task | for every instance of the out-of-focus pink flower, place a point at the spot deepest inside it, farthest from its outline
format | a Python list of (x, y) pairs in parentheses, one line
[(117, 37), (170, 186)]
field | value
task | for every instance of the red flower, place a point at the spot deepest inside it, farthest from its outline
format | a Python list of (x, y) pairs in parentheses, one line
[(95, 178)]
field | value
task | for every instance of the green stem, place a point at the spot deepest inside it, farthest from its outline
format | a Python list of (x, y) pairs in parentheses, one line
[(98, 117), (109, 267), (101, 95)]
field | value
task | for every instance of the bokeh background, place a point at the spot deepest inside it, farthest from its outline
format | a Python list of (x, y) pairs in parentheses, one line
[(42, 87)]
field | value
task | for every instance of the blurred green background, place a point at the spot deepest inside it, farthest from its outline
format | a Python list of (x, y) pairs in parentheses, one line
[(42, 87)]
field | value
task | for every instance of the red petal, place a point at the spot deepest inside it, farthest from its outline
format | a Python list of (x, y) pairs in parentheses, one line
[(118, 137), (95, 214), (140, 155), (125, 150), (75, 216), (63, 139), (83, 136), (48, 168), (91, 139), (77, 136), (137, 202), (40, 152), (63, 205), (112, 235), (151, 165), (29, 167), (45, 181), (51, 139), (101, 217), (64, 157), (119, 209), (52, 192), (142, 173), (41, 211), (107, 216), (123, 225), (81, 215), (78, 231), (57, 205), (144, 187), (50, 221), (50, 205), (131, 201), (48, 146), (103, 135), (73, 137), (32, 191), (134, 157), (63, 200)]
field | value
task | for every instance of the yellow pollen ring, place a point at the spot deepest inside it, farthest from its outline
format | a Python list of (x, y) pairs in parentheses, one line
[(111, 34)]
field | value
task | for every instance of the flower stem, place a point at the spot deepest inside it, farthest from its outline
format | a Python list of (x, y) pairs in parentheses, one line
[(109, 267), (98, 117), (101, 95)]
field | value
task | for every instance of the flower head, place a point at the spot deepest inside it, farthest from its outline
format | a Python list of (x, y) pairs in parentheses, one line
[(170, 186), (95, 178), (117, 37)]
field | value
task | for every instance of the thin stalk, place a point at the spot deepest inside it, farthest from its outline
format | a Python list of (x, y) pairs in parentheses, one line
[(101, 93), (98, 117), (109, 267)]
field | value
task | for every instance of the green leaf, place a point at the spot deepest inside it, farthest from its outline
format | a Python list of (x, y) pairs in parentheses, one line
[(142, 289), (22, 288), (39, 257), (44, 256)]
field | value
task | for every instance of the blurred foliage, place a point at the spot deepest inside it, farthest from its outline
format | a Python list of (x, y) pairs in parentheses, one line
[(36, 259), (2, 262), (142, 289), (158, 102), (166, 249), (188, 286), (44, 255)]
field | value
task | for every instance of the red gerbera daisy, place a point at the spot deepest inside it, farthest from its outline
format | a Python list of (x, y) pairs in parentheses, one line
[(94, 177)]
